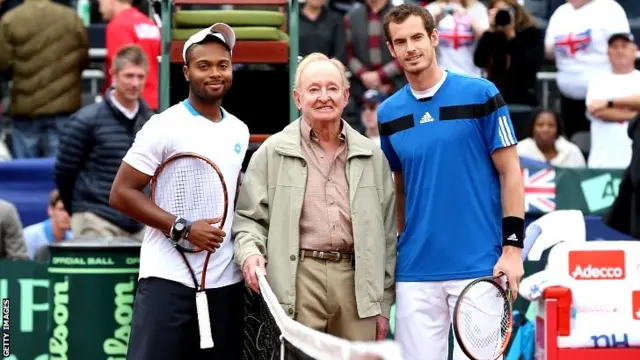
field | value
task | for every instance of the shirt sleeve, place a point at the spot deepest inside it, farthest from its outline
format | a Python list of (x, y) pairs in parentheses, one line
[(387, 147), (480, 14), (147, 151), (6, 48), (549, 36), (595, 91), (617, 20), (497, 128)]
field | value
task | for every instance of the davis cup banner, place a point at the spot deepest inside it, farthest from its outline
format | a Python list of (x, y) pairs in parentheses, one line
[(591, 191), (52, 312)]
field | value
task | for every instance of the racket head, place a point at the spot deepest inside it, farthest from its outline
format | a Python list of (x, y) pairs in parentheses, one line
[(481, 303), (190, 186)]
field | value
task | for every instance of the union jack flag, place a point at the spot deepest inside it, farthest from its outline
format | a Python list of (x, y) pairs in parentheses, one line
[(569, 44), (456, 37), (539, 190)]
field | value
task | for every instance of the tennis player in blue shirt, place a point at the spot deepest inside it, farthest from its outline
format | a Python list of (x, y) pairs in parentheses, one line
[(460, 196)]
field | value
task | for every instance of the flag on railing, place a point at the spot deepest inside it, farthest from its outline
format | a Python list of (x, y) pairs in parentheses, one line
[(539, 190)]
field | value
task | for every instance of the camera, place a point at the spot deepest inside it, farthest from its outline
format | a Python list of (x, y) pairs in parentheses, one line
[(504, 16)]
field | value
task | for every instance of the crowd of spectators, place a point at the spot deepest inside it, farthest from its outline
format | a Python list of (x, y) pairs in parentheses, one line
[(588, 42)]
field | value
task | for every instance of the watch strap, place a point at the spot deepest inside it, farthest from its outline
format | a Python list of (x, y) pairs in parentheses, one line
[(187, 231), (176, 235)]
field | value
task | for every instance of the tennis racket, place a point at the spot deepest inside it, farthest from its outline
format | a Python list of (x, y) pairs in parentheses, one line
[(192, 187), (482, 319)]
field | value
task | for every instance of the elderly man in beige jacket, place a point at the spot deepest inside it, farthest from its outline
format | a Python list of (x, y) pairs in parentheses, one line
[(316, 211)]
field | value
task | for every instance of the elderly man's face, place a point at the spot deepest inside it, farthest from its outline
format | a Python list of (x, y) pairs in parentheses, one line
[(321, 94)]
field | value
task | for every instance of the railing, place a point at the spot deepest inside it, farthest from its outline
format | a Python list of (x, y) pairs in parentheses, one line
[(545, 77), (97, 53), (93, 75)]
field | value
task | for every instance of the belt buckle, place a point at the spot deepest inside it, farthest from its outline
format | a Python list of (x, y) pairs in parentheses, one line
[(337, 254)]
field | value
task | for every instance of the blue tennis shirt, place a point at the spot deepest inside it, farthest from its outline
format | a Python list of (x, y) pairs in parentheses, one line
[(443, 146)]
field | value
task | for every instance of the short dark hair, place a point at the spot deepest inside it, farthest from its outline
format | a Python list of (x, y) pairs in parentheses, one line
[(54, 197), (130, 54), (207, 40), (400, 13)]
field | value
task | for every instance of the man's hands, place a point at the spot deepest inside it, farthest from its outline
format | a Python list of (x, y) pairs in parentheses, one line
[(371, 80), (206, 236), (249, 271), (382, 327), (492, 16), (596, 105), (510, 264)]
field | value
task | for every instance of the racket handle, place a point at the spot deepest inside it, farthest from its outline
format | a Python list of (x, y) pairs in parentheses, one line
[(204, 322)]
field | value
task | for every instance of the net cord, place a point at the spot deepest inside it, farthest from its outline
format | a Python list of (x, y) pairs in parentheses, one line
[(304, 338)]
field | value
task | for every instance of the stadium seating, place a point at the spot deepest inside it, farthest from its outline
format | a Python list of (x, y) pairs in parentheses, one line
[(259, 34), (596, 314)]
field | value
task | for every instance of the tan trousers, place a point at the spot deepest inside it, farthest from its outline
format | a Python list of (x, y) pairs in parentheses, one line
[(88, 224), (326, 300)]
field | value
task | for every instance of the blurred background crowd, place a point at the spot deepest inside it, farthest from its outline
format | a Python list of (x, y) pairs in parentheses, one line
[(74, 89)]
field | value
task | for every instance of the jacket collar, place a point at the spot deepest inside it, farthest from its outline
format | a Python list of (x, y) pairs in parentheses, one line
[(290, 137), (144, 112)]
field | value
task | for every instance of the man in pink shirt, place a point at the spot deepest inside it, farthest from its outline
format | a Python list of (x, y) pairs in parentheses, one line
[(129, 26)]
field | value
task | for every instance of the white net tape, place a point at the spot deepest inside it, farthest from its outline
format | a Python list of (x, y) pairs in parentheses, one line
[(321, 346)]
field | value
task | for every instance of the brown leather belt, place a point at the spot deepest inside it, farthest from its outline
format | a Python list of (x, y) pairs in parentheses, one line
[(326, 255)]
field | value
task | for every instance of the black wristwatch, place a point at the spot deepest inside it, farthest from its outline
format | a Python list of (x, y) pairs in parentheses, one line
[(609, 103), (178, 229)]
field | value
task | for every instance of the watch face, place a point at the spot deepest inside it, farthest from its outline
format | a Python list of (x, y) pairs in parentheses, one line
[(179, 227)]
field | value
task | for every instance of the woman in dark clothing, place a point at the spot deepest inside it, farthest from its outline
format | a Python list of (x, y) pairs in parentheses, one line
[(322, 30), (511, 51)]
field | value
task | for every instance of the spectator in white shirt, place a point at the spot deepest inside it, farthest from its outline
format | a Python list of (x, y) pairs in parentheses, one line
[(460, 24), (547, 143), (610, 143), (577, 37)]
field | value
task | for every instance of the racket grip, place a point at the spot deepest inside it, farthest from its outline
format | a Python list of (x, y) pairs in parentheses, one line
[(204, 322)]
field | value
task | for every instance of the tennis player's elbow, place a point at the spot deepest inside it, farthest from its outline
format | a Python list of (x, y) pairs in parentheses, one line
[(118, 198), (115, 197)]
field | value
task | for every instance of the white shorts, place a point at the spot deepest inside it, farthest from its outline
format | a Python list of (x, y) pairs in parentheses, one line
[(423, 318)]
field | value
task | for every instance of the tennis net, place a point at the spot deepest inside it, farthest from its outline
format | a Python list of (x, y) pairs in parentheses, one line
[(271, 335)]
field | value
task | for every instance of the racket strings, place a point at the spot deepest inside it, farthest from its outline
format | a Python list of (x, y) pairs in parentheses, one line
[(483, 321), (191, 188)]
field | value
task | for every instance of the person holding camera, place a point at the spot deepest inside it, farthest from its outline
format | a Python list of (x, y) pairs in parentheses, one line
[(511, 52), (460, 24)]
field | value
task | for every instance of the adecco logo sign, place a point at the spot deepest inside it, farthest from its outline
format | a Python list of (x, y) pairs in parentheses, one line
[(597, 265)]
